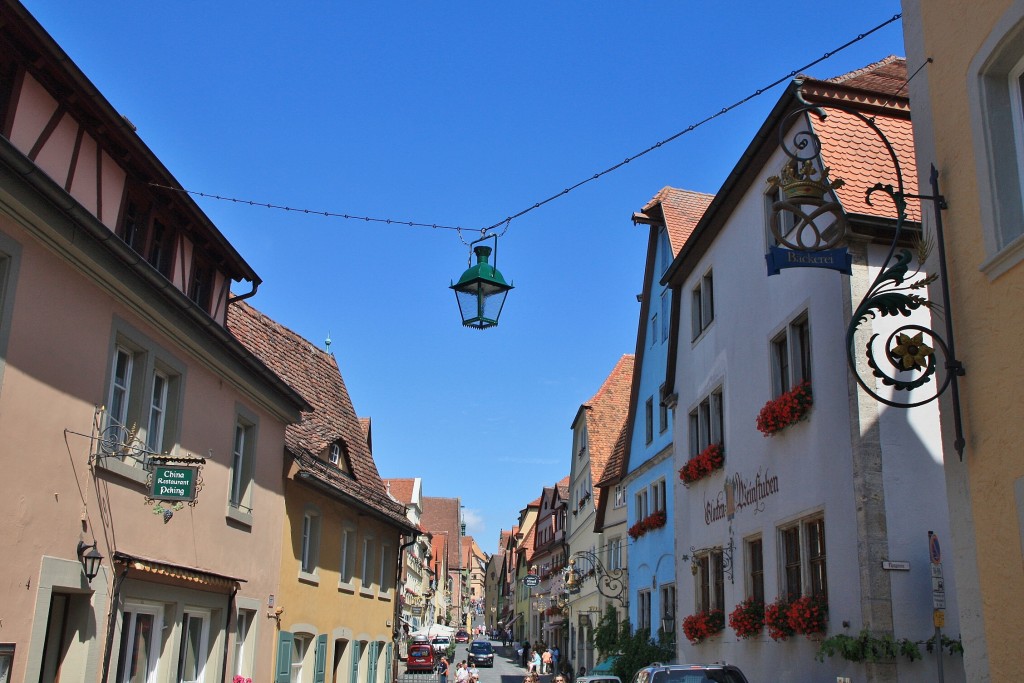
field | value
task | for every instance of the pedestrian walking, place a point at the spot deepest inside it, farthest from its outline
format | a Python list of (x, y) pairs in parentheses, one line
[(535, 662), (555, 652), (442, 669), (546, 661)]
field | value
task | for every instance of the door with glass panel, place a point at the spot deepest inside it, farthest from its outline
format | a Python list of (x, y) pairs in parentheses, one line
[(195, 633)]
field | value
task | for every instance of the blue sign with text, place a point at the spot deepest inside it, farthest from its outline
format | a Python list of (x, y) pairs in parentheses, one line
[(833, 259)]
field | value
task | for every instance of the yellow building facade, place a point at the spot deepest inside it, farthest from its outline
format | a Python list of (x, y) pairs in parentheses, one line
[(968, 122)]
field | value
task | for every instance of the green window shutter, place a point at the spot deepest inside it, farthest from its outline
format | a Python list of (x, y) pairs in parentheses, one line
[(320, 663), (371, 661), (284, 657), (355, 662), (388, 654)]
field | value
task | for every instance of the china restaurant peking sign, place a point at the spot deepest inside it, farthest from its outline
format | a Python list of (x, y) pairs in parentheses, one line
[(740, 493)]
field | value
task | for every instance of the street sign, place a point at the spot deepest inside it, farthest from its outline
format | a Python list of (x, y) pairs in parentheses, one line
[(894, 565), (174, 483), (531, 580)]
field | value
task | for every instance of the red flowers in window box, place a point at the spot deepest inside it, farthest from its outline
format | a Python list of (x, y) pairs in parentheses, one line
[(702, 625), (655, 520), (808, 615), (747, 619), (710, 459), (776, 618), (783, 411)]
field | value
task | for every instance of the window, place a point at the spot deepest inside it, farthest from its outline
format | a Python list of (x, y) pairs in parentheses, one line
[(791, 356), (384, 584), (335, 454), (707, 423), (642, 510), (662, 410), (366, 576), (347, 566), (243, 457), (620, 496), (643, 610), (157, 412), (755, 569), (120, 385), (658, 503), (195, 632), (160, 253), (702, 306), (654, 329), (141, 626), (580, 439), (668, 605), (787, 219), (649, 420), (300, 647), (310, 543), (665, 301), (200, 288), (803, 559), (244, 642), (664, 250), (710, 581), (10, 260), (615, 553)]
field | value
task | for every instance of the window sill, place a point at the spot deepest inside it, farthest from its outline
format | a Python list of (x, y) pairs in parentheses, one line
[(123, 469), (366, 592), (384, 597), (1005, 259), (311, 579), (237, 515), (703, 333)]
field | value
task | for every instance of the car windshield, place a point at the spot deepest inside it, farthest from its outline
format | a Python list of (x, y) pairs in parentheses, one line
[(695, 676), (441, 641), (419, 650), (484, 648)]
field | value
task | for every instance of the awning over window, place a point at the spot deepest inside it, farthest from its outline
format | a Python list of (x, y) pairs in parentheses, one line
[(177, 573)]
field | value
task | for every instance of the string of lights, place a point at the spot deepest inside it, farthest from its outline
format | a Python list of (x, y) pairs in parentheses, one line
[(508, 219)]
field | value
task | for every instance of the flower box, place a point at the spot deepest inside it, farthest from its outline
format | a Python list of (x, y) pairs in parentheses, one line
[(808, 615), (776, 618), (747, 620), (652, 521), (710, 459), (702, 625), (787, 409)]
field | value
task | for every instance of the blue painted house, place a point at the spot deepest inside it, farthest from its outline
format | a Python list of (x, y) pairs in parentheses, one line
[(646, 467)]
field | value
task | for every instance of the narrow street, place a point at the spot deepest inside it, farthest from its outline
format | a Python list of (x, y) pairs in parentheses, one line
[(506, 668)]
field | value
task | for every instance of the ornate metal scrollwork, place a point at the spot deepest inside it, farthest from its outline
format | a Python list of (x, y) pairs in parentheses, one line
[(913, 355), (611, 583), (727, 557)]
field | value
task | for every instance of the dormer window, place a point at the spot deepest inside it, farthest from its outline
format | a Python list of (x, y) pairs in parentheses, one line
[(335, 453)]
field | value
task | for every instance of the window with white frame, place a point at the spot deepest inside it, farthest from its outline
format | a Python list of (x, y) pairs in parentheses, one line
[(334, 453), (384, 581), (300, 649), (658, 503), (702, 305), (786, 219), (710, 580), (755, 568), (662, 410), (310, 541), (580, 439), (706, 422), (195, 634), (665, 302), (245, 636), (665, 249), (803, 558), (6, 661), (668, 605), (791, 355), (641, 504), (649, 420), (643, 610), (139, 649), (242, 464), (619, 499), (615, 553), (10, 263), (654, 329), (349, 549), (366, 575)]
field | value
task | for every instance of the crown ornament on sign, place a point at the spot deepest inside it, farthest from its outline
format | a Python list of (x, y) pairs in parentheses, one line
[(803, 181)]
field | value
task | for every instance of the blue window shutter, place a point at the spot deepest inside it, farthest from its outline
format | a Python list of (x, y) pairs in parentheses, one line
[(355, 662), (284, 657), (320, 663), (388, 654), (371, 661)]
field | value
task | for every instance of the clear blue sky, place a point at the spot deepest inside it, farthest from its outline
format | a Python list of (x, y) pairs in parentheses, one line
[(457, 113)]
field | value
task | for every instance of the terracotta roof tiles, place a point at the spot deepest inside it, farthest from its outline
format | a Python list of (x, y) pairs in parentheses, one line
[(682, 209), (401, 489), (606, 413)]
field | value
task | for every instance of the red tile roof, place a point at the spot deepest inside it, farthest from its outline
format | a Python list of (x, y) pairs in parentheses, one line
[(606, 414), (441, 516), (401, 489), (314, 374), (681, 210), (887, 76)]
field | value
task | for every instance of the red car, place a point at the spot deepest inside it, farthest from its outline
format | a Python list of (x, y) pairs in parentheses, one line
[(461, 637), (420, 658)]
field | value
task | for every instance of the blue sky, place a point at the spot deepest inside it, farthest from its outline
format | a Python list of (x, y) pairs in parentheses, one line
[(457, 113)]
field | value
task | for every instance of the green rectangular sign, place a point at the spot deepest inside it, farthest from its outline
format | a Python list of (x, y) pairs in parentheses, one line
[(174, 483)]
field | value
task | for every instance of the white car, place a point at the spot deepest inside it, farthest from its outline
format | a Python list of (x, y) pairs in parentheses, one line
[(598, 678), (440, 643)]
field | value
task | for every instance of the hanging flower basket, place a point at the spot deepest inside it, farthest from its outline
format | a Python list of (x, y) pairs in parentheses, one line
[(653, 521), (710, 459), (808, 615), (776, 618), (702, 625), (785, 410), (747, 619)]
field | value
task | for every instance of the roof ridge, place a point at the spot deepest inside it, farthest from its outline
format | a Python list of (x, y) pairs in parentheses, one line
[(842, 78)]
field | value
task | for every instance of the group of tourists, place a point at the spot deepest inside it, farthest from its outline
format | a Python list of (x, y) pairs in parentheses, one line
[(464, 673), (538, 658)]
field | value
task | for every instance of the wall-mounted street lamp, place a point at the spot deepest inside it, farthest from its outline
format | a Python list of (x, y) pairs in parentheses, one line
[(810, 225), (481, 290), (90, 559)]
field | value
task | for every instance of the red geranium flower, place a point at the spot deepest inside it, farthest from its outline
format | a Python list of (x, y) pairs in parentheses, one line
[(790, 407), (710, 459), (702, 625)]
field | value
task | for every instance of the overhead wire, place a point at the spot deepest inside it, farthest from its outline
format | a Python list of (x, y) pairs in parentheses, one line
[(536, 205)]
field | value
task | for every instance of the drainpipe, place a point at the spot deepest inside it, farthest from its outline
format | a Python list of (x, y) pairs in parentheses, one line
[(111, 620)]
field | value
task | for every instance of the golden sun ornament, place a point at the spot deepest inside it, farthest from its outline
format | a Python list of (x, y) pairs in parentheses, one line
[(912, 351)]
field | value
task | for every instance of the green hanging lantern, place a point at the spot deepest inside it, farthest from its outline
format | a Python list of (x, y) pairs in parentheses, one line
[(481, 290)]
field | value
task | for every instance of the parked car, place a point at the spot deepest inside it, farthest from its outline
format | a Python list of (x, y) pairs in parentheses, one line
[(461, 637), (599, 678), (441, 644), (481, 653), (689, 673), (420, 658)]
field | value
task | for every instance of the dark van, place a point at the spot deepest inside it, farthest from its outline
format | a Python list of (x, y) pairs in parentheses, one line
[(420, 658)]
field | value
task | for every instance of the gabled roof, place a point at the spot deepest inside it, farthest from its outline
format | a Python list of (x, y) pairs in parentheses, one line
[(441, 515), (314, 374), (605, 414), (563, 487), (401, 489), (678, 210), (612, 476)]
